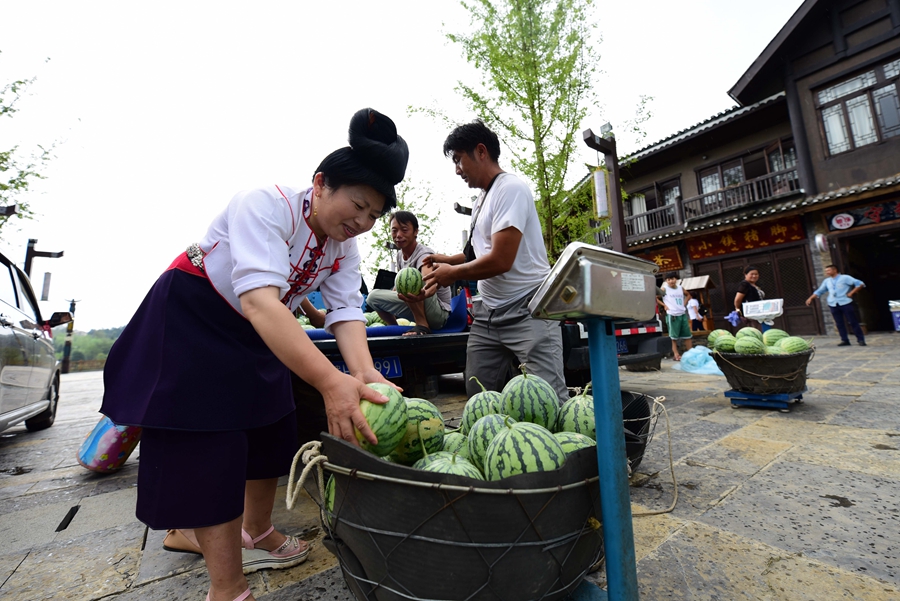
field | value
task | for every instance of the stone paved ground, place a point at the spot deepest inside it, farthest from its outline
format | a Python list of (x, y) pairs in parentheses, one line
[(771, 506)]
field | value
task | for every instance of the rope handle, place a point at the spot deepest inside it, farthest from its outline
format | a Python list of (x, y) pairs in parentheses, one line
[(312, 458)]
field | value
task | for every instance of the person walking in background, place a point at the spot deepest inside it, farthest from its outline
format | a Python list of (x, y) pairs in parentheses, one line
[(509, 260), (841, 288), (749, 292), (672, 298)]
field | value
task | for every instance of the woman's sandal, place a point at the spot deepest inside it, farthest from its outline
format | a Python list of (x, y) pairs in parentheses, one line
[(240, 597), (289, 554), (417, 331), (176, 541)]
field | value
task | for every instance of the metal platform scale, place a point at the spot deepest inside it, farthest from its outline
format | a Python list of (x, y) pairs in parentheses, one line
[(595, 286), (781, 401)]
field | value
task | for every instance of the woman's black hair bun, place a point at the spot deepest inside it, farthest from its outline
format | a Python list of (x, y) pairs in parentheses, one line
[(373, 138)]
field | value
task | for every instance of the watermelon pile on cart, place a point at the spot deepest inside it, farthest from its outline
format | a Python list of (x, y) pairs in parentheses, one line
[(506, 507), (764, 369)]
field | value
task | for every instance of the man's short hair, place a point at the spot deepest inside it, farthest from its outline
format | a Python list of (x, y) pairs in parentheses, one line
[(465, 138), (405, 217), (671, 275), (832, 267)]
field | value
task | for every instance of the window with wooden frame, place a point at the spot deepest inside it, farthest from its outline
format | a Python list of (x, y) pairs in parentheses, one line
[(861, 110), (655, 196)]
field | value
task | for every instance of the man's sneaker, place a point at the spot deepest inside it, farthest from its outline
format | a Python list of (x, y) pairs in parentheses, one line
[(862, 343), (844, 343)]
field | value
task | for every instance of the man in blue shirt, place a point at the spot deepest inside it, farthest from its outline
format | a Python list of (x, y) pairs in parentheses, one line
[(840, 289)]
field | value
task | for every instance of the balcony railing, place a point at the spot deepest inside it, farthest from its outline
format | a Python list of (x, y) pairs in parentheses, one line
[(652, 220), (766, 187)]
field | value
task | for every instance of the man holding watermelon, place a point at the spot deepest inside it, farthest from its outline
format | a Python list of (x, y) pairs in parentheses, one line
[(507, 256), (428, 308)]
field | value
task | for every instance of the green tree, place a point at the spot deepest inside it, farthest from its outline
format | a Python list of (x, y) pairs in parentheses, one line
[(538, 61), (412, 197), (17, 171)]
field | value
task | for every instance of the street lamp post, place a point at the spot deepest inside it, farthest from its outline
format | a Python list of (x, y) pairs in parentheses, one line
[(607, 145)]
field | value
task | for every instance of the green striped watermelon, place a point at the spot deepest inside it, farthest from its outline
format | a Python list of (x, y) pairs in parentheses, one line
[(749, 345), (573, 441), (388, 421), (577, 415), (772, 336), (530, 398), (424, 432), (522, 448), (329, 500), (725, 344), (793, 344), (454, 465), (713, 336), (430, 457), (481, 434), (456, 442), (479, 405), (748, 331), (408, 281)]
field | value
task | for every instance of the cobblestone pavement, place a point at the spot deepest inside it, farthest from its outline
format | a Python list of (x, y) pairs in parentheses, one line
[(803, 505)]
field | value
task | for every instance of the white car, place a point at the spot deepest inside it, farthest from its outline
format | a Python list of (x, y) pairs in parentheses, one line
[(29, 371)]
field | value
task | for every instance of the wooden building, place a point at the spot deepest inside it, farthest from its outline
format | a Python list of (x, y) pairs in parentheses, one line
[(804, 172)]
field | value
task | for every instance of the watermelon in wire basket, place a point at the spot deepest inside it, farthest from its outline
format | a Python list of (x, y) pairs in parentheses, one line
[(765, 374), (405, 534)]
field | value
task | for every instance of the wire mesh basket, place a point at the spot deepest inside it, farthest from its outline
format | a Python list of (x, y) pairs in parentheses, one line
[(639, 424), (406, 534), (765, 374)]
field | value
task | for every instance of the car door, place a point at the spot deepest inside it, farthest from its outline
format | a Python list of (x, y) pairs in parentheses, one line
[(16, 345), (43, 355)]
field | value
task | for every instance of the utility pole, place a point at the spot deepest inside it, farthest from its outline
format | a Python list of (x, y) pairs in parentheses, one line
[(67, 347), (30, 254), (607, 145)]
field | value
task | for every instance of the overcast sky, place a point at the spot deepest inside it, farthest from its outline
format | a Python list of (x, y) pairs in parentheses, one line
[(162, 110)]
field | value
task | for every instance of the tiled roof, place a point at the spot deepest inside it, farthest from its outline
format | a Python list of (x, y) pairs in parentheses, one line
[(703, 126), (769, 209)]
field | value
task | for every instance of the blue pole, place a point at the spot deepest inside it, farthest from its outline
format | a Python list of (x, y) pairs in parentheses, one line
[(615, 501)]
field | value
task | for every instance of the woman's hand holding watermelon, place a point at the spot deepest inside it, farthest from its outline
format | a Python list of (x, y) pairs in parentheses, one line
[(342, 394)]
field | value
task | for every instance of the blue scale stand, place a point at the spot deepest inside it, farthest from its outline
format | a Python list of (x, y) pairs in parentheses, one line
[(782, 401)]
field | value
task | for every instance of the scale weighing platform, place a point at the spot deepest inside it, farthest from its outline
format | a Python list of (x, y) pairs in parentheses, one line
[(782, 401)]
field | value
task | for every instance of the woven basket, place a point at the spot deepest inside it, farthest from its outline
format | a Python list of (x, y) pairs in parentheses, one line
[(402, 534), (765, 374)]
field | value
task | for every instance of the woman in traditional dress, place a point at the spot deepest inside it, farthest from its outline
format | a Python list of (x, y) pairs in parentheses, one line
[(204, 365)]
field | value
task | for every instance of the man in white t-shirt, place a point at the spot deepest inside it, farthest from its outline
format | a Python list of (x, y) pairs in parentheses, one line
[(509, 260), (673, 298), (429, 309)]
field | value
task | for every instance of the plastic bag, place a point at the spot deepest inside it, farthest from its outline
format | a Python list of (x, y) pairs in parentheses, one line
[(108, 446), (698, 360)]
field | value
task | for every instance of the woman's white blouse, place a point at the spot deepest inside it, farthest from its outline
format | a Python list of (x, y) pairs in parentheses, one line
[(263, 238)]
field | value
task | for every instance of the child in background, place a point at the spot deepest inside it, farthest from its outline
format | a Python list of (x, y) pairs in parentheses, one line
[(693, 307), (672, 298)]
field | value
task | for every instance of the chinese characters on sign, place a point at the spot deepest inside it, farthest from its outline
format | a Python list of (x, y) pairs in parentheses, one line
[(872, 214), (761, 235), (668, 258)]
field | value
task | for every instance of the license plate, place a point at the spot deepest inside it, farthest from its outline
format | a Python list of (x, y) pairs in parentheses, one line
[(388, 366), (621, 346)]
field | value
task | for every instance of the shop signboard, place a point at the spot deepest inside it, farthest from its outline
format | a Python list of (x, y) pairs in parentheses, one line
[(748, 237), (868, 215), (668, 258)]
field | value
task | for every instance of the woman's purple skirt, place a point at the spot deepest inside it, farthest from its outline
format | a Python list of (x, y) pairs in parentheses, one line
[(188, 361)]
